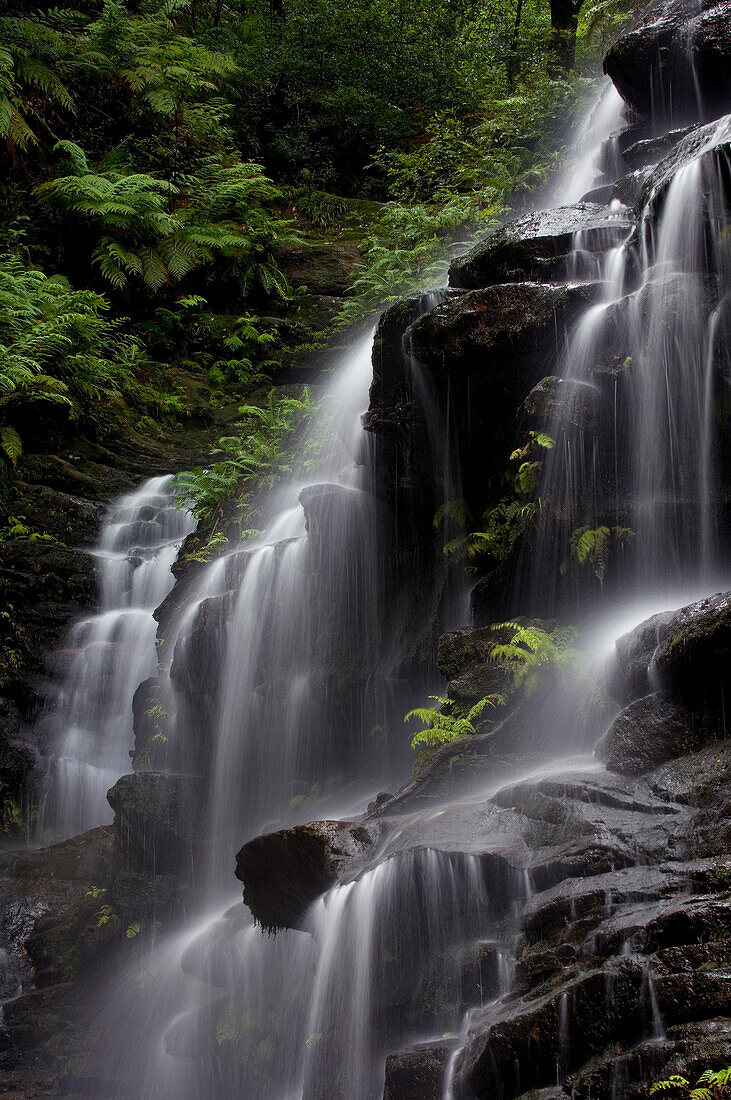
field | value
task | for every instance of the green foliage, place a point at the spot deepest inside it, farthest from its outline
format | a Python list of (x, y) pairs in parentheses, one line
[(34, 58), (321, 209), (255, 460), (531, 648), (441, 726), (16, 528), (533, 655), (591, 547), (410, 249), (59, 347), (711, 1085), (158, 232), (503, 524)]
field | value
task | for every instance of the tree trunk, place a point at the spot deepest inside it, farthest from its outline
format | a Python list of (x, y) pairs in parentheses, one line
[(512, 64), (564, 21)]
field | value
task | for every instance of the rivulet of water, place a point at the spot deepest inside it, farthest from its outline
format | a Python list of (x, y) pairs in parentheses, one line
[(107, 655)]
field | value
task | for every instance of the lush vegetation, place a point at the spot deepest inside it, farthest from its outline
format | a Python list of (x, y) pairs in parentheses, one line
[(254, 460), (157, 158)]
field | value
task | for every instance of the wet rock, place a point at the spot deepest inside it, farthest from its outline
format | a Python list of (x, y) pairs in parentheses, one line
[(70, 519), (85, 478), (627, 189), (519, 1046), (628, 674), (576, 403), (196, 671), (693, 659), (463, 656), (650, 150), (648, 732), (323, 267), (392, 382), (284, 872), (709, 140), (676, 61), (418, 1073), (47, 912), (538, 247), (51, 583), (496, 330), (150, 737), (671, 922), (591, 899), (157, 823), (696, 779)]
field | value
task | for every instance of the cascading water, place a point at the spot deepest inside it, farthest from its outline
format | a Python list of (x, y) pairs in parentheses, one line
[(107, 656), (650, 352), (593, 153), (285, 666)]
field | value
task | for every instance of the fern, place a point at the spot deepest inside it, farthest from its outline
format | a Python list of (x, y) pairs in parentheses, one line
[(591, 546), (441, 727), (256, 459), (10, 443), (711, 1085)]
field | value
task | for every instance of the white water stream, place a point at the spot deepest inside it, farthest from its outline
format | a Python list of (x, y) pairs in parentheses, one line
[(107, 656), (218, 1009)]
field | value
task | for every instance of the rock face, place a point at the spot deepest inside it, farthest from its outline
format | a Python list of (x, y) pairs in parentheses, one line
[(648, 732), (324, 268), (157, 821), (538, 247), (612, 889), (693, 656), (284, 872), (712, 139), (676, 62), (498, 328)]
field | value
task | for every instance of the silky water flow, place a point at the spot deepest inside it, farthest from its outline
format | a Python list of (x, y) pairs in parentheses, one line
[(294, 622)]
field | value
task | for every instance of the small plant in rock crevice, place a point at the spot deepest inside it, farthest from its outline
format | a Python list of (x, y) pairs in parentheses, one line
[(507, 521), (441, 726)]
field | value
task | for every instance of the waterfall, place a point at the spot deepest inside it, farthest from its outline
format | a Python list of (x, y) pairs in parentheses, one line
[(650, 352), (285, 675), (107, 655)]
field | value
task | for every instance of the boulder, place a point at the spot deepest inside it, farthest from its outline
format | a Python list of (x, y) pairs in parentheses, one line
[(675, 62), (496, 330), (573, 402), (628, 672), (649, 732), (693, 659), (284, 872), (418, 1073), (539, 246), (157, 823)]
